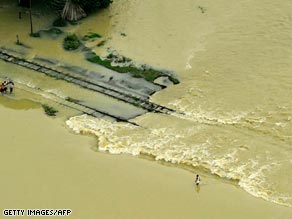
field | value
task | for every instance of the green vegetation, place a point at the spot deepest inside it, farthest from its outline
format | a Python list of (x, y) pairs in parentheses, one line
[(58, 77), (101, 43), (50, 111), (148, 74), (90, 5), (60, 22), (37, 34), (90, 36), (19, 43), (118, 58), (87, 5), (71, 42), (72, 100), (74, 23)]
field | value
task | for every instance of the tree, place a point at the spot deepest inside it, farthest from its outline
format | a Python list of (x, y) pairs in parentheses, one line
[(72, 11), (87, 5)]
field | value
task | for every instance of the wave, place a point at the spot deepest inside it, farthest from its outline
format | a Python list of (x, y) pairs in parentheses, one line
[(174, 146), (275, 122)]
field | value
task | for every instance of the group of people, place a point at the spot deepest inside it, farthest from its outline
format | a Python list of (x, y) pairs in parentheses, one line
[(4, 86)]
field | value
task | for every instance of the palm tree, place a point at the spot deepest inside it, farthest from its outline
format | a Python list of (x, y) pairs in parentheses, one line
[(72, 11), (68, 9)]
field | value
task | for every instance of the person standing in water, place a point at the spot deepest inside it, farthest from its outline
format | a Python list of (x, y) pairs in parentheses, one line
[(11, 86), (198, 180), (2, 88), (4, 85)]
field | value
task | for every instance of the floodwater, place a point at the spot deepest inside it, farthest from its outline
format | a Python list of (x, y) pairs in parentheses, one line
[(43, 166), (234, 64)]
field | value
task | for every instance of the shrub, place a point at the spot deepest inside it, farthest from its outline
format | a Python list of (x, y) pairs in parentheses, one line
[(35, 34), (59, 22), (148, 74), (71, 42), (50, 111), (90, 36), (19, 43), (72, 100), (101, 43)]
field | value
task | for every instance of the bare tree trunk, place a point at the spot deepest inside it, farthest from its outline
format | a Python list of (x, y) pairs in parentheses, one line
[(30, 16)]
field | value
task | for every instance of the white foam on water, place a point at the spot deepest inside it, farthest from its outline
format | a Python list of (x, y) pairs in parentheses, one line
[(166, 145), (204, 117), (29, 84), (56, 92), (51, 94), (190, 57)]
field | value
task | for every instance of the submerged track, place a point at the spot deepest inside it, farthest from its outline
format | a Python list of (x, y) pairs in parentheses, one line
[(140, 102)]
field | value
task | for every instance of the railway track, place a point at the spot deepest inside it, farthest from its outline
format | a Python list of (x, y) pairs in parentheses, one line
[(137, 101)]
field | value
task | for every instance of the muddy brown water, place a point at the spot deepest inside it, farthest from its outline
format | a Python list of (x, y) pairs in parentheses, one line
[(234, 64)]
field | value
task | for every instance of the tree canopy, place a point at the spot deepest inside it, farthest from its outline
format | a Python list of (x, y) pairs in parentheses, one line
[(76, 9), (71, 9), (86, 5)]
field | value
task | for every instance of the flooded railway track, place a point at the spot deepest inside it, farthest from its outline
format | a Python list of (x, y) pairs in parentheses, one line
[(143, 103)]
